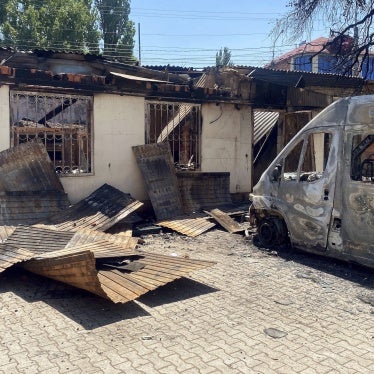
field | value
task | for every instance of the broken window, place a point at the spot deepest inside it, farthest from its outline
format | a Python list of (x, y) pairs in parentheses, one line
[(313, 153), (291, 162), (61, 122), (180, 125), (362, 161), (315, 156)]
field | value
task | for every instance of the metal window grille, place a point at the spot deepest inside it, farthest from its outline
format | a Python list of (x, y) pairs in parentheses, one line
[(180, 125), (61, 122)]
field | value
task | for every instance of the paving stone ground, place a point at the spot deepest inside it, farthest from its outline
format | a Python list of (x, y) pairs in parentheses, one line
[(255, 311)]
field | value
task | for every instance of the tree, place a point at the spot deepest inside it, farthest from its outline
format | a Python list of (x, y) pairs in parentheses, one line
[(223, 57), (3, 5), (352, 33), (74, 25), (54, 24), (117, 30)]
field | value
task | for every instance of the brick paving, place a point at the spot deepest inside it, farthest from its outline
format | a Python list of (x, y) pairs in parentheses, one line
[(223, 319)]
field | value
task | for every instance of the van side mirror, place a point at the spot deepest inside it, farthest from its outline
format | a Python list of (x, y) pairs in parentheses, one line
[(276, 173)]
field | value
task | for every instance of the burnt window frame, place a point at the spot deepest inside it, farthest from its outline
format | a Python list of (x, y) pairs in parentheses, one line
[(169, 129), (69, 145)]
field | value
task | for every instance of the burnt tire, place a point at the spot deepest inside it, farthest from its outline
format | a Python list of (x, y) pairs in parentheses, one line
[(272, 232)]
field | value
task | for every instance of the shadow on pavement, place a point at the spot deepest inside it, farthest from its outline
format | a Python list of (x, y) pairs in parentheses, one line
[(86, 309), (180, 289), (345, 270)]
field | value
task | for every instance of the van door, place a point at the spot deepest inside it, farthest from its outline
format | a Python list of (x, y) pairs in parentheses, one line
[(357, 218), (307, 186)]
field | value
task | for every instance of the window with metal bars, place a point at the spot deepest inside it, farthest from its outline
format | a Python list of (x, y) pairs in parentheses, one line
[(61, 122), (180, 125)]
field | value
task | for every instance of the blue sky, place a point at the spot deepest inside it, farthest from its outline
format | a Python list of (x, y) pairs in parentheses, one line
[(189, 33)]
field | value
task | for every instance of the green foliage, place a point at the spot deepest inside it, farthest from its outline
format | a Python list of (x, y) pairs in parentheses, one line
[(74, 25), (223, 57), (118, 31), (3, 5), (54, 24)]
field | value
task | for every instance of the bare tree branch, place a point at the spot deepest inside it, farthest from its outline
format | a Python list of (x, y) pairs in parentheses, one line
[(351, 32)]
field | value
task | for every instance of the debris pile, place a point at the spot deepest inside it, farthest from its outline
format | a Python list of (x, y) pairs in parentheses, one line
[(174, 206), (68, 243)]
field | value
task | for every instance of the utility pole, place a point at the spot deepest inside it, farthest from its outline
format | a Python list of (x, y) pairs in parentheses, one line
[(140, 48)]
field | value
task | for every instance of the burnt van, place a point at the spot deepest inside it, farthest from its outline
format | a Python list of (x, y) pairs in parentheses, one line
[(319, 191)]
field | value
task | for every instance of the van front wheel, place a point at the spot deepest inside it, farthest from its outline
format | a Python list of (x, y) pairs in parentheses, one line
[(272, 232)]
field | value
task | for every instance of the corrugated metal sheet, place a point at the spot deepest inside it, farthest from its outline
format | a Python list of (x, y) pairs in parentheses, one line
[(263, 124), (29, 187), (307, 98), (136, 78), (188, 225), (27, 167), (293, 78), (26, 208), (102, 267), (157, 167), (225, 221), (39, 240), (101, 210), (5, 232), (201, 190), (10, 255), (76, 269), (120, 286), (158, 170), (85, 236), (26, 242)]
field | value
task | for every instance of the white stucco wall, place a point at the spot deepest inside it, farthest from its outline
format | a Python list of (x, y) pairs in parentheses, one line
[(4, 118), (118, 125), (226, 143)]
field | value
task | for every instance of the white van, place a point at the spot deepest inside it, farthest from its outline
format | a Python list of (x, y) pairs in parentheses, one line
[(319, 191)]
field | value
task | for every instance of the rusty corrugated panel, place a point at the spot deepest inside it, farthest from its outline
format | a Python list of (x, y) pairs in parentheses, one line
[(5, 232), (157, 167), (39, 240), (42, 239), (188, 225), (32, 241), (29, 187), (27, 167), (201, 190), (102, 267), (142, 272), (76, 269), (101, 210), (84, 236), (225, 221), (307, 98), (11, 254), (292, 78), (27, 208)]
